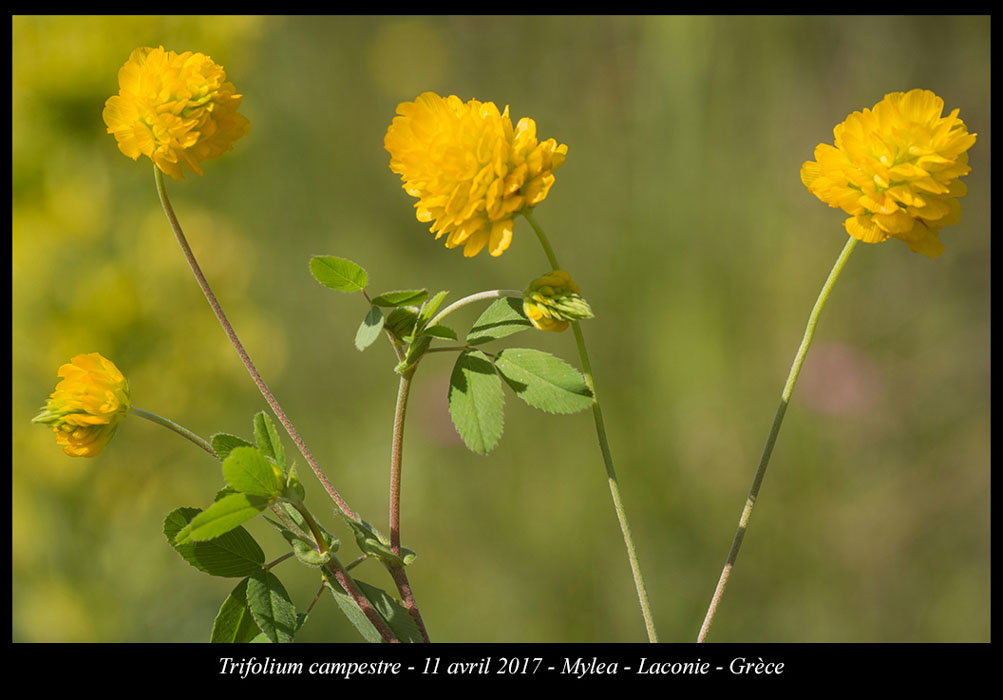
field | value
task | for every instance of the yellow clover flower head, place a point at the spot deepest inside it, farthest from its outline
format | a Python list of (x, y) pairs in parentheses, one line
[(177, 109), (552, 301), (87, 405), (470, 170), (895, 170)]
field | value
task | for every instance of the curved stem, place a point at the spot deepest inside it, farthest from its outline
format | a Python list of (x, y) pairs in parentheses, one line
[(244, 358), (480, 296), (778, 419), (179, 429), (614, 485)]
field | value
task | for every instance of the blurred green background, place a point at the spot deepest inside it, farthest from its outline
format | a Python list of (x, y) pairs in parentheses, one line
[(680, 213)]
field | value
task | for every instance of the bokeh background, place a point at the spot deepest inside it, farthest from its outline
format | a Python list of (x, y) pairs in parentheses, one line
[(681, 214)]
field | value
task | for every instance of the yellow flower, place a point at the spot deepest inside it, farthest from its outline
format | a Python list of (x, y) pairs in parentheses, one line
[(470, 170), (552, 301), (895, 169), (87, 405), (177, 109)]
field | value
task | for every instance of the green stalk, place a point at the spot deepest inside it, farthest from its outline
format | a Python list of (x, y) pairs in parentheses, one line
[(244, 357), (614, 485), (778, 419), (171, 425)]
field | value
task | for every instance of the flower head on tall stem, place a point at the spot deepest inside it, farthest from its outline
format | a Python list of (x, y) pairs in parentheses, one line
[(87, 405), (471, 171), (176, 109), (895, 170)]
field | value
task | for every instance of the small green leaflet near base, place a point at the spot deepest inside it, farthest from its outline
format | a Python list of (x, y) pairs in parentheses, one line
[(232, 554), (270, 607), (476, 401), (338, 273)]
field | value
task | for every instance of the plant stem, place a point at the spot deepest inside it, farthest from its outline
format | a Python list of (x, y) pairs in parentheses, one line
[(396, 461), (244, 358), (479, 296), (778, 419), (179, 429), (614, 485)]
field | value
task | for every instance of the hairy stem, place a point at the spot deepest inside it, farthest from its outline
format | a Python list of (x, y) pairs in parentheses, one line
[(479, 296), (778, 419), (244, 358), (179, 429), (614, 485), (396, 461)]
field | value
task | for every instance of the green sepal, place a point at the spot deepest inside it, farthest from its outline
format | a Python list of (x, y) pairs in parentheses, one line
[(370, 329), (544, 381), (234, 623), (476, 401), (232, 554), (338, 273), (223, 444), (401, 297), (271, 607), (248, 470), (222, 516), (371, 541), (266, 436), (503, 317)]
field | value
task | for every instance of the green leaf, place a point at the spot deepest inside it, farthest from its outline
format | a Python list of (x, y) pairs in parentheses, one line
[(389, 608), (353, 612), (267, 438), (338, 273), (234, 623), (223, 444), (232, 554), (400, 321), (370, 329), (440, 332), (372, 541), (476, 401), (248, 470), (222, 516), (303, 550), (544, 381), (504, 317), (401, 297), (270, 606), (430, 307)]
